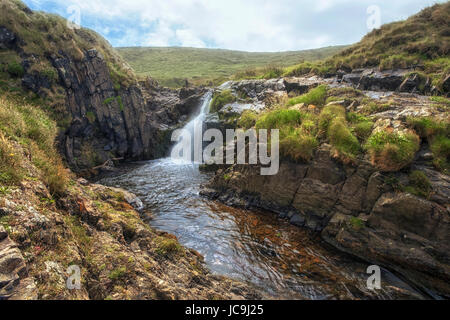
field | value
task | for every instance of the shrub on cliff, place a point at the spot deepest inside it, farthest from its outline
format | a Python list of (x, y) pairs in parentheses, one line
[(391, 151), (316, 96), (221, 99), (297, 132), (44, 35)]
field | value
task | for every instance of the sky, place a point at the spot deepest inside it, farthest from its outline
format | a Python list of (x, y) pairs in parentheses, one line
[(247, 25)]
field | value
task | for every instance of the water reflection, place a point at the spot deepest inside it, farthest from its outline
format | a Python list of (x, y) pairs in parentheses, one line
[(252, 246)]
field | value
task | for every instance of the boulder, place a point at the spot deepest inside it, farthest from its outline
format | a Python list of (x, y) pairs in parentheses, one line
[(14, 281), (369, 79)]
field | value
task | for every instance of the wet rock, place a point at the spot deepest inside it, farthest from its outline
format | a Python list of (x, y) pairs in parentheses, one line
[(298, 220), (369, 79), (404, 233), (257, 89), (301, 85), (236, 109), (412, 214), (414, 83), (317, 200)]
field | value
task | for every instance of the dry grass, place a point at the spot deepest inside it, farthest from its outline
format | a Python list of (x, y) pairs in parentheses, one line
[(392, 151), (27, 133)]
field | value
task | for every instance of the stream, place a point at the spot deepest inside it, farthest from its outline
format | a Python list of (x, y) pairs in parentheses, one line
[(253, 246)]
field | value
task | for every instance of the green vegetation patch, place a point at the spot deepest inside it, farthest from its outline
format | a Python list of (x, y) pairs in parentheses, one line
[(357, 223), (315, 97), (16, 70), (343, 140), (298, 132), (26, 128), (118, 273), (248, 119), (168, 246), (437, 133), (298, 145), (361, 126), (173, 66), (328, 114), (221, 99), (392, 151), (279, 118), (419, 184)]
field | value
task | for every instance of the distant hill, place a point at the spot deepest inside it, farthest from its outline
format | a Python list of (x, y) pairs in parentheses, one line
[(171, 66)]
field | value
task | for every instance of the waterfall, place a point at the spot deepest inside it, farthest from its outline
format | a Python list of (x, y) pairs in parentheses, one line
[(194, 128)]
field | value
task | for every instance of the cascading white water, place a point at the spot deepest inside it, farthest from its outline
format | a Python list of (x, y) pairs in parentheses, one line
[(193, 128)]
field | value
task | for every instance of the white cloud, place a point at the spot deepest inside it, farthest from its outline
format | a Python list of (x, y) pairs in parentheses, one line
[(188, 39), (251, 25)]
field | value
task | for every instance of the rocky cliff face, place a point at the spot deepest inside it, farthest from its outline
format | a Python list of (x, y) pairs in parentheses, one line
[(107, 122), (355, 206)]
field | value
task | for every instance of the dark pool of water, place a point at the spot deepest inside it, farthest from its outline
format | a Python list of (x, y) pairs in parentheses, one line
[(252, 246)]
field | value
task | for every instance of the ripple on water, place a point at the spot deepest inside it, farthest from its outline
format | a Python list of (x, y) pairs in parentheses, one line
[(252, 246)]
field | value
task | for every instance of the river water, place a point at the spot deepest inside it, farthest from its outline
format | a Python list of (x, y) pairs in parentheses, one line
[(284, 261)]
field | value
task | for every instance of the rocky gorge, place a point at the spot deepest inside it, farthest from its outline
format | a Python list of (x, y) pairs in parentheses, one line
[(105, 116)]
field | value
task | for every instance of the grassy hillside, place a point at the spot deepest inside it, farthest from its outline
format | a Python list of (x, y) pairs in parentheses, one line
[(42, 34), (422, 42), (171, 66)]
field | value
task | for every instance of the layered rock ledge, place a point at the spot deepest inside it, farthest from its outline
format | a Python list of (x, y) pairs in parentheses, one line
[(354, 205)]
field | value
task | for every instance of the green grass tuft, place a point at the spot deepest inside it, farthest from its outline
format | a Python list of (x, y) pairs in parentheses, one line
[(342, 139), (419, 184), (316, 96), (168, 246), (221, 99), (247, 120), (279, 118), (392, 151), (16, 70), (298, 145)]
